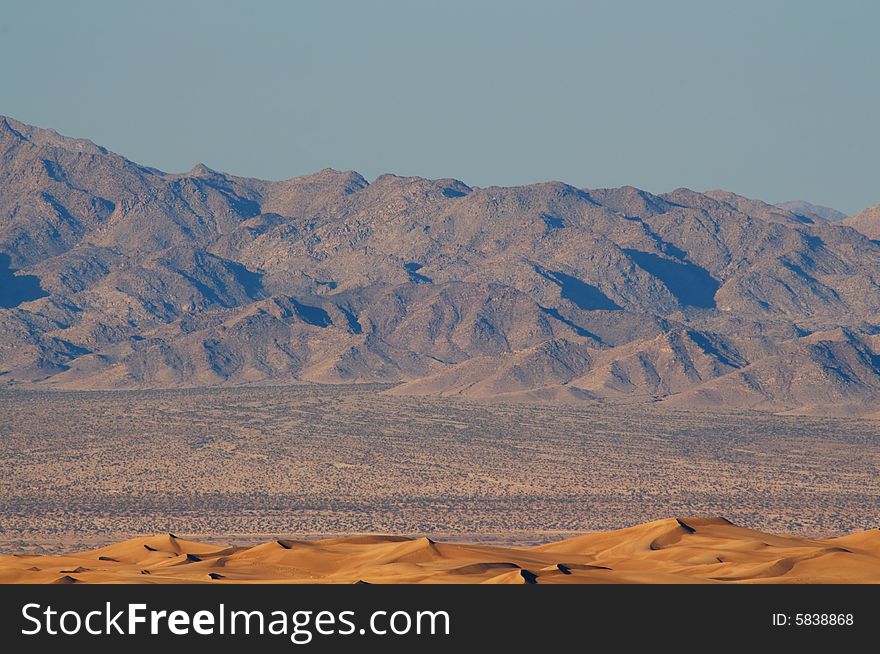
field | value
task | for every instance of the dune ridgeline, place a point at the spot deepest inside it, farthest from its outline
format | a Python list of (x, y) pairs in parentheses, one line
[(675, 550)]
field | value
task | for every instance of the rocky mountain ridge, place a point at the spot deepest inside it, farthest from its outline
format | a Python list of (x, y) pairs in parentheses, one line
[(115, 275)]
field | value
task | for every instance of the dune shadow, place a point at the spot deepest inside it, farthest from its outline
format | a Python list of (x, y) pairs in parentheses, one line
[(688, 282), (17, 289)]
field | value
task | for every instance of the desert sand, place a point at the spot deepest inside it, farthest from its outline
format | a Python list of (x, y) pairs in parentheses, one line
[(674, 550)]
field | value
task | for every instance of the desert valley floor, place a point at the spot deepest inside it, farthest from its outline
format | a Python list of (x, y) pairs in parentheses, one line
[(244, 465)]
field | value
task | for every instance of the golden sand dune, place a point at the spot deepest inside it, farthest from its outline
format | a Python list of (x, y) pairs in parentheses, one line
[(685, 550)]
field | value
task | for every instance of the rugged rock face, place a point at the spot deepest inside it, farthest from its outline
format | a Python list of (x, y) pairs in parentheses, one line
[(116, 275), (867, 222)]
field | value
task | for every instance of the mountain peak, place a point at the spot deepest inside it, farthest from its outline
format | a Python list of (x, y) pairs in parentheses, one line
[(346, 175), (867, 222), (802, 207), (7, 126), (201, 170)]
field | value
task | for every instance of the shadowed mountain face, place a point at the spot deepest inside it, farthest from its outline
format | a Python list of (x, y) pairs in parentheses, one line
[(131, 277), (692, 286), (584, 296), (16, 289)]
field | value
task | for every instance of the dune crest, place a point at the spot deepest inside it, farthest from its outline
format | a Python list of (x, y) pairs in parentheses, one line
[(673, 550)]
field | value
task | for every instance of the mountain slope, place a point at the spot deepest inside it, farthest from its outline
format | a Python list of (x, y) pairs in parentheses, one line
[(825, 373), (808, 209), (867, 222)]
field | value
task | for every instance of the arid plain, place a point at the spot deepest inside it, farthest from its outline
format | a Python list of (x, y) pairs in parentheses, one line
[(81, 470)]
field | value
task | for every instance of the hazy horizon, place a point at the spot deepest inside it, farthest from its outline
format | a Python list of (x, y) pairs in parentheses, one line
[(768, 100)]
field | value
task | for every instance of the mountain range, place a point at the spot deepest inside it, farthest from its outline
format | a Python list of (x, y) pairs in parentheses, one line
[(115, 275), (812, 210)]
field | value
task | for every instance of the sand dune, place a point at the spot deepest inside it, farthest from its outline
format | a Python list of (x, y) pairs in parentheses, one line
[(675, 550)]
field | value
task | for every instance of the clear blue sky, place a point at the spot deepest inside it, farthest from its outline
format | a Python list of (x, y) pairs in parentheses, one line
[(772, 99)]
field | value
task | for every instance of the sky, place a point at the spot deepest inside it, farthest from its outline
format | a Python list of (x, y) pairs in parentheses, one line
[(773, 99)]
